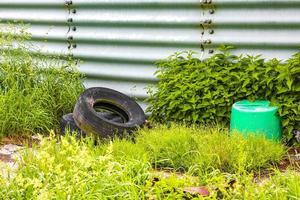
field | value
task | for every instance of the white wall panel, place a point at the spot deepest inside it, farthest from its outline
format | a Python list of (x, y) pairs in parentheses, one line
[(118, 41)]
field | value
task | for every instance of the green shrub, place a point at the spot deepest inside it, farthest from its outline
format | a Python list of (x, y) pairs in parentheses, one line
[(195, 91), (35, 91)]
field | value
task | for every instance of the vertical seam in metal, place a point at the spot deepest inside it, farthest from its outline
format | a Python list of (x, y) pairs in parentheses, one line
[(202, 2), (211, 31), (71, 27), (206, 25)]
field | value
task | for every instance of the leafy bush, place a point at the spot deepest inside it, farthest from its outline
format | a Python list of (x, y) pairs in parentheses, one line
[(195, 91), (35, 91)]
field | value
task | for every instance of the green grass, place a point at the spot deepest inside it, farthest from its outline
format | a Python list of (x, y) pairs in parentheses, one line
[(201, 149), (125, 169), (74, 170), (281, 185), (35, 91)]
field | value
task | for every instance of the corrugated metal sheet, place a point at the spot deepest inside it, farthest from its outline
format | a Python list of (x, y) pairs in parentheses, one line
[(121, 40), (268, 27), (47, 20), (118, 41)]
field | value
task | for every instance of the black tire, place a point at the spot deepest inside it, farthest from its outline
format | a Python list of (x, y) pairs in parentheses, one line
[(86, 117), (67, 123), (111, 117)]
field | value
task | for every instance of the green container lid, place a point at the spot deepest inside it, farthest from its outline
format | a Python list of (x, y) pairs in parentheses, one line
[(256, 117)]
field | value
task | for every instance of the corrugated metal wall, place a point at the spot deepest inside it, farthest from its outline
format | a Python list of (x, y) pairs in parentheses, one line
[(268, 27), (47, 19), (118, 41), (121, 40)]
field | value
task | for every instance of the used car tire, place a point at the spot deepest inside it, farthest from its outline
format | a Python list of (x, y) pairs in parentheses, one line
[(111, 117), (87, 118), (67, 123)]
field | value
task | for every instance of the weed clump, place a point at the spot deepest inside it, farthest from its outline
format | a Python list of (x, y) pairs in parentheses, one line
[(200, 150), (35, 91)]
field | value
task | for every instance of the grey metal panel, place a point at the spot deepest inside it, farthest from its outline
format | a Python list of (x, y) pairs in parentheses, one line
[(31, 3), (136, 3), (267, 27), (256, 3), (47, 21), (131, 88), (142, 73), (130, 54), (51, 32), (118, 41), (49, 48), (32, 15), (115, 37), (50, 39)]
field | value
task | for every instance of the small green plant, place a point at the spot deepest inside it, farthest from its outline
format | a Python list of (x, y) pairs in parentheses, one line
[(194, 91), (281, 185), (35, 91)]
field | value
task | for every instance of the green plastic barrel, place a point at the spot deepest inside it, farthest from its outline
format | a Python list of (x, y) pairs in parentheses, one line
[(256, 117)]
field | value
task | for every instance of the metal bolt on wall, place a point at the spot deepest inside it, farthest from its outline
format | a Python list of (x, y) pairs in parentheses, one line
[(71, 27), (208, 9)]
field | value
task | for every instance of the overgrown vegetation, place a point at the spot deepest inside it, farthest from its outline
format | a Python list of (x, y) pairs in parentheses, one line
[(198, 150), (35, 91), (281, 185), (195, 91), (126, 169)]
